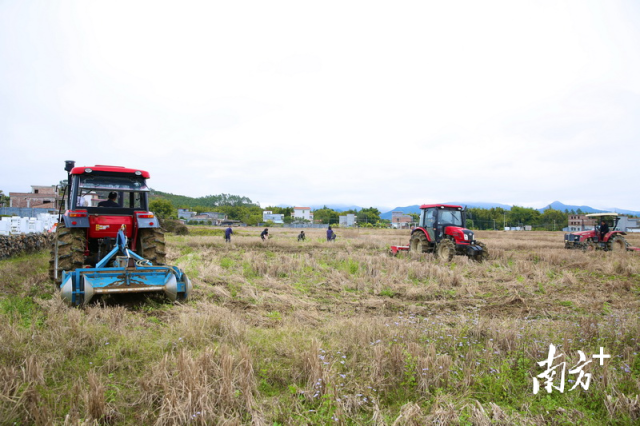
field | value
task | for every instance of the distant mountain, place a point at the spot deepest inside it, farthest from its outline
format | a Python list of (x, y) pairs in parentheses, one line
[(479, 205), (405, 210), (416, 208), (557, 205), (623, 211), (336, 207)]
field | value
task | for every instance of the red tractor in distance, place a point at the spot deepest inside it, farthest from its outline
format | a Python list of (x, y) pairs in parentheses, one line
[(442, 231), (591, 239)]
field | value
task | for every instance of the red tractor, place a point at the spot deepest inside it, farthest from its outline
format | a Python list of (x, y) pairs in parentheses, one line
[(599, 238), (108, 241), (442, 231)]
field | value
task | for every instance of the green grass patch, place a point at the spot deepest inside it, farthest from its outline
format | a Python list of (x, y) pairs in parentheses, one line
[(200, 231), (20, 309)]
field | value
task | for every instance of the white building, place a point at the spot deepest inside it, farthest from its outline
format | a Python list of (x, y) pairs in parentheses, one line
[(348, 220), (302, 213), (400, 220), (275, 218), (629, 224), (185, 214)]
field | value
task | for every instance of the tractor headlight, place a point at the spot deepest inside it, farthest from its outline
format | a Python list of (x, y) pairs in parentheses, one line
[(88, 170), (466, 237)]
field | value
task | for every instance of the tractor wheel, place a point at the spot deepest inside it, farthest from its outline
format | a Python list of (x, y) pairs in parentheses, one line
[(67, 253), (418, 243), (485, 252), (151, 245), (617, 243), (445, 250), (589, 245)]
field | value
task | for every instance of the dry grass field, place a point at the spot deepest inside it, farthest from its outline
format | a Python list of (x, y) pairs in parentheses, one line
[(289, 333)]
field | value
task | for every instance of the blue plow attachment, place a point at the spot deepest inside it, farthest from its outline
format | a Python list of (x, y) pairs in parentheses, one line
[(80, 286), (128, 274)]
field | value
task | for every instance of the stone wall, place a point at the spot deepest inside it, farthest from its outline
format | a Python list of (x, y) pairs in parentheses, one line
[(13, 245)]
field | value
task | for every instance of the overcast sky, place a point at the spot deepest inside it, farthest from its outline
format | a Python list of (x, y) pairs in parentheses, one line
[(360, 102)]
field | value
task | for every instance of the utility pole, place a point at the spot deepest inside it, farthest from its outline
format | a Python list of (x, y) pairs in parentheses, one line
[(504, 216)]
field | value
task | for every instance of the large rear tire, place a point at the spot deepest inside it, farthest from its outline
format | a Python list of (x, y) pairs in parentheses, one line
[(151, 245), (445, 250), (617, 243), (67, 253), (418, 243)]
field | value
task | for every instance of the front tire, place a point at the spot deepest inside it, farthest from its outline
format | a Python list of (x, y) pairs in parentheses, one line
[(589, 245), (445, 250), (485, 252)]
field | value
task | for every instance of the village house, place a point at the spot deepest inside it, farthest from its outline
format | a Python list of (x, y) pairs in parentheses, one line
[(275, 218), (213, 217), (302, 213), (43, 197), (348, 220), (400, 220), (629, 224), (185, 214), (580, 222)]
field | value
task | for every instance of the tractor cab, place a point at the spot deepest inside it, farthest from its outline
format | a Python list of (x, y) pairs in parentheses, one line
[(91, 191), (443, 220), (103, 199)]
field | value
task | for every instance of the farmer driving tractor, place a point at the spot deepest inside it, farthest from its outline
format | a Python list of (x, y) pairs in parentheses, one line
[(604, 229)]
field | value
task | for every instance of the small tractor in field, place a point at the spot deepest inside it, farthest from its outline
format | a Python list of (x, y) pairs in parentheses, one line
[(113, 246), (442, 231), (599, 238)]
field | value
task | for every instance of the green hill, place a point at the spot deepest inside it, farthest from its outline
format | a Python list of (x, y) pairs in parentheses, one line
[(208, 201)]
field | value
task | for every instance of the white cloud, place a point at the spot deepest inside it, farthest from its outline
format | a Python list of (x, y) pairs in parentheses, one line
[(366, 103)]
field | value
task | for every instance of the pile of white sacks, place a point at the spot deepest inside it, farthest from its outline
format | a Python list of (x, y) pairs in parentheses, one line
[(16, 225)]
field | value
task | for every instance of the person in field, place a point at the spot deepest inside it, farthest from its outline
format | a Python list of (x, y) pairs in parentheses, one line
[(265, 234), (227, 234), (301, 236), (331, 236)]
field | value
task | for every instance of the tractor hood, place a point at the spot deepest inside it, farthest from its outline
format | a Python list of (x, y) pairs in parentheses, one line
[(454, 231), (459, 234), (581, 233)]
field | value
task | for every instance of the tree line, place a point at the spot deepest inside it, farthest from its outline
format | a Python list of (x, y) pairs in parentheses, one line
[(497, 218), (237, 207), (243, 209)]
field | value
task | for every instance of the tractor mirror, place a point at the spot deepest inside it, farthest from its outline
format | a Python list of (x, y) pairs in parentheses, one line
[(68, 165)]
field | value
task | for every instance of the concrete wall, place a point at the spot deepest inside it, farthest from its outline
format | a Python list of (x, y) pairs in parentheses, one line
[(305, 225)]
